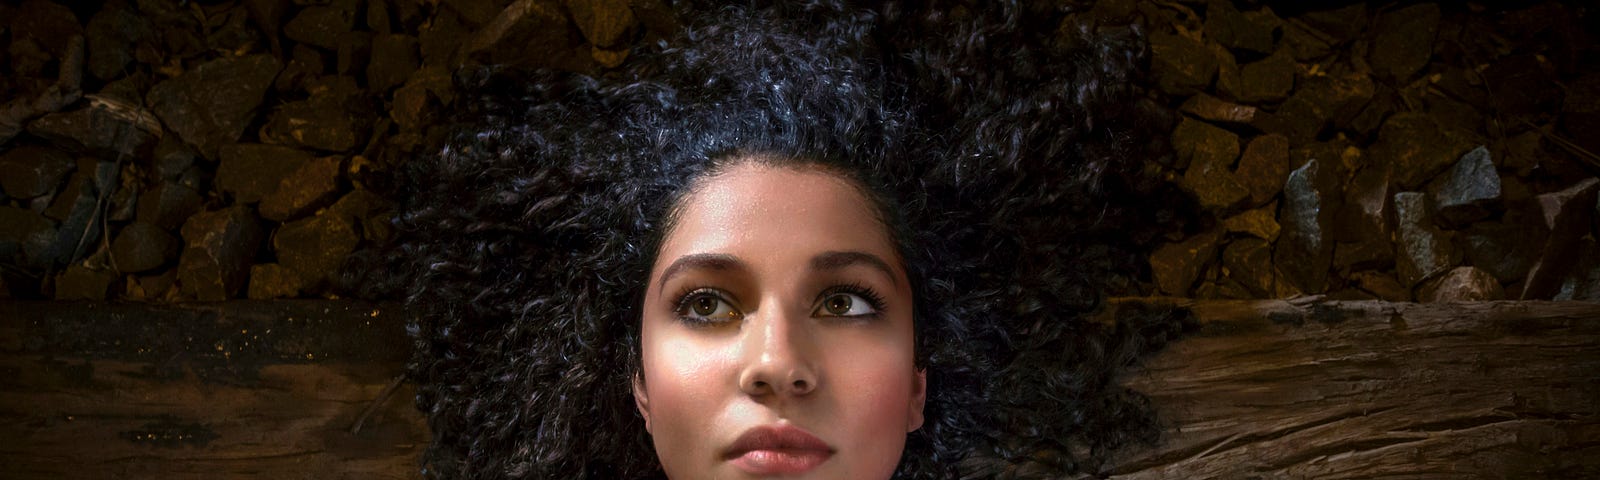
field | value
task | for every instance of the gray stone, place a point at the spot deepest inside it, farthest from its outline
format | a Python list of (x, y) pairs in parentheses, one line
[(315, 248), (1254, 31), (1403, 41), (1248, 261), (168, 205), (312, 186), (271, 280), (605, 23), (394, 59), (1424, 251), (29, 171), (1569, 214), (1181, 65), (142, 247), (1462, 284), (1176, 266), (1264, 167), (1506, 249), (1269, 80), (251, 172), (211, 105), (1304, 251), (78, 208), (107, 128), (1469, 191), (1583, 284), (321, 25), (219, 247), (78, 282), (1416, 148)]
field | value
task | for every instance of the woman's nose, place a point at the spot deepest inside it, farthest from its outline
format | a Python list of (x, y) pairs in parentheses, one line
[(778, 357)]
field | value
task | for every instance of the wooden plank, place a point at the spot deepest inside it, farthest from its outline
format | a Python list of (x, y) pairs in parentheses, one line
[(1267, 389)]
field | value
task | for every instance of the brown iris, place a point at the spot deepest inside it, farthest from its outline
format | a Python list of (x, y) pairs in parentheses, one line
[(837, 304), (705, 305)]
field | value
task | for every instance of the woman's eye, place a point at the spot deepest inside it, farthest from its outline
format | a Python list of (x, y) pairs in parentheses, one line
[(707, 308), (844, 305)]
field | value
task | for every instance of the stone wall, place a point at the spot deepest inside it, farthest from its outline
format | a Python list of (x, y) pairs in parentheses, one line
[(161, 150)]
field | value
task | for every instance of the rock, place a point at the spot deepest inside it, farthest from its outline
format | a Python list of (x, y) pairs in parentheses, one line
[(25, 236), (1214, 109), (113, 34), (1176, 266), (1269, 80), (1424, 250), (1197, 141), (80, 283), (1461, 284), (1583, 284), (1403, 40), (1383, 286), (1248, 261), (394, 59), (476, 12), (1506, 249), (1416, 148), (1469, 191), (1321, 101), (29, 171), (359, 203), (313, 185), (1229, 85), (1569, 214), (321, 25), (605, 23), (1363, 254), (1304, 250), (1264, 167), (271, 280), (251, 172), (172, 157), (107, 128), (609, 58), (168, 205), (305, 65), (1304, 42), (1258, 223), (441, 38), (1252, 32), (141, 247), (417, 104), (1580, 111), (528, 33), (48, 24), (1208, 177), (1181, 65), (211, 105), (230, 30), (332, 121), (378, 17), (1523, 84), (354, 54), (219, 246), (315, 248), (78, 208)]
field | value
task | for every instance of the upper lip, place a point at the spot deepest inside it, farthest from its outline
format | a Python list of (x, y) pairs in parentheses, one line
[(776, 437)]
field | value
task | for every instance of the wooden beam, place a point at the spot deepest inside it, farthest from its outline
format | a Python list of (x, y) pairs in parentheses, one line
[(1272, 389)]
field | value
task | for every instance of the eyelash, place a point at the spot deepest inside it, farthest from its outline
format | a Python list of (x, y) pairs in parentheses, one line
[(688, 294)]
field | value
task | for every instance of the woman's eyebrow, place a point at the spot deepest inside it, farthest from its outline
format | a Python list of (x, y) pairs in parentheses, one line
[(835, 260), (706, 261)]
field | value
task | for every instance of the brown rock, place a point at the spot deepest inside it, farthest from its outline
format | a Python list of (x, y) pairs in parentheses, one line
[(211, 105), (333, 120), (1197, 141), (1258, 223), (1364, 254), (416, 105), (394, 59), (1424, 250), (168, 205), (1248, 261), (1253, 31), (315, 248), (1381, 285), (1264, 167), (80, 283), (1403, 41), (321, 25), (313, 185), (26, 237), (528, 33), (1367, 211), (353, 55), (141, 247), (1417, 148), (271, 280), (219, 247), (1269, 80), (251, 172), (1214, 109), (1181, 65), (1176, 266), (605, 23), (1461, 284)]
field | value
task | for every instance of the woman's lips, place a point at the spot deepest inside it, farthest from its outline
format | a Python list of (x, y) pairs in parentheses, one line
[(778, 449)]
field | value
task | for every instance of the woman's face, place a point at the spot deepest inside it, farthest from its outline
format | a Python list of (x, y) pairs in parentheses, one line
[(777, 333)]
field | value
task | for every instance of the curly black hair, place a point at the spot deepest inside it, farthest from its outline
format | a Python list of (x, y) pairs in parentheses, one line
[(1004, 144)]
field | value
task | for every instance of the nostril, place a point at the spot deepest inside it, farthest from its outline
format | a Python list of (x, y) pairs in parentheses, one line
[(800, 385)]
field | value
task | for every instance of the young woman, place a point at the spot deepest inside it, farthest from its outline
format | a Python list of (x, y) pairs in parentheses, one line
[(808, 240)]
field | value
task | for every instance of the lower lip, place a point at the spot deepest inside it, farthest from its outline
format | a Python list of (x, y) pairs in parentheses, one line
[(777, 462)]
